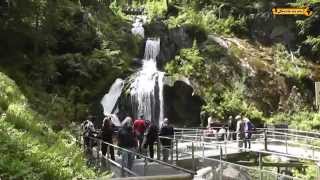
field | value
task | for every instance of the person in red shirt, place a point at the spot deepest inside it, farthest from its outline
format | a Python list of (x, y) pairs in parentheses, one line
[(139, 127)]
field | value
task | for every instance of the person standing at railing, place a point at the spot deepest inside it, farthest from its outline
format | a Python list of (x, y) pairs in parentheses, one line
[(240, 131), (88, 131), (166, 131), (139, 128), (232, 125), (150, 136), (107, 133), (222, 133), (248, 128), (127, 140)]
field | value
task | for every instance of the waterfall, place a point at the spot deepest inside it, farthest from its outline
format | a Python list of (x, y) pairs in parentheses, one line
[(109, 101), (147, 87), (137, 28), (145, 93)]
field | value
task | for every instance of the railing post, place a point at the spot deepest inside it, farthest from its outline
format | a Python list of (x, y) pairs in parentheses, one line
[(122, 165), (193, 160), (260, 166), (265, 140), (145, 166), (313, 152), (177, 152), (220, 169), (286, 136), (171, 151), (108, 154), (318, 170), (158, 149), (203, 151), (98, 153)]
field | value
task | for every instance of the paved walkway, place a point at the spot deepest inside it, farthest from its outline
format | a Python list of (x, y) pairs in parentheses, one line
[(203, 151)]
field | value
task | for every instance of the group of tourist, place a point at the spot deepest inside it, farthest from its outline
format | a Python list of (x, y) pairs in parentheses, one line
[(138, 136), (240, 128)]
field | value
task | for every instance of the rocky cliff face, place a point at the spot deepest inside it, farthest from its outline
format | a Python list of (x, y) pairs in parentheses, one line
[(172, 40), (183, 106)]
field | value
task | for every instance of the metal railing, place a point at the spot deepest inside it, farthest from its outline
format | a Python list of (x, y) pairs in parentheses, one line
[(125, 171), (291, 142), (276, 141), (219, 168)]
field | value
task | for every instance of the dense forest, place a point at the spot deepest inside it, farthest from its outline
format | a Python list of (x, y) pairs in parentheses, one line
[(59, 57)]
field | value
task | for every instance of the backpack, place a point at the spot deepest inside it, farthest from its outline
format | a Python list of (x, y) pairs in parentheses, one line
[(249, 126), (87, 128)]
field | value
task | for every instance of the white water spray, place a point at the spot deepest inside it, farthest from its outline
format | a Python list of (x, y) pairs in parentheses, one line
[(147, 88), (137, 28), (109, 101)]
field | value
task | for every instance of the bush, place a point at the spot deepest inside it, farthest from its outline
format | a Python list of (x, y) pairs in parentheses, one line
[(30, 149), (288, 64)]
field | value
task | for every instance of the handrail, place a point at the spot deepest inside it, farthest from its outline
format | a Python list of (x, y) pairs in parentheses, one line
[(119, 166), (146, 157), (258, 151), (293, 130), (242, 166), (113, 162)]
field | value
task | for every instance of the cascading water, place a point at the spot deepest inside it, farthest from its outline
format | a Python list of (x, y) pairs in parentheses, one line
[(147, 88), (137, 28), (109, 101)]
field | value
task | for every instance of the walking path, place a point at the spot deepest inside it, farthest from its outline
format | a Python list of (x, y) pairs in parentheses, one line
[(194, 153)]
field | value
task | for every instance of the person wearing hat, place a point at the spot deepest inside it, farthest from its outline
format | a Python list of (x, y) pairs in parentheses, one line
[(166, 131), (240, 131)]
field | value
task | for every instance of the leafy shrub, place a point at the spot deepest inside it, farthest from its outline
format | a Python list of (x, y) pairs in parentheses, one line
[(207, 19), (304, 120), (156, 8), (188, 63), (288, 64), (30, 149)]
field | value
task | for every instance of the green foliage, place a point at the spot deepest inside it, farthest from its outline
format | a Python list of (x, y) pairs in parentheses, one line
[(188, 63), (314, 42), (220, 101), (66, 55), (304, 120), (156, 8), (29, 147), (288, 64), (310, 172), (207, 19)]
